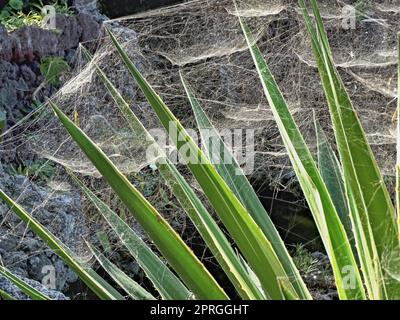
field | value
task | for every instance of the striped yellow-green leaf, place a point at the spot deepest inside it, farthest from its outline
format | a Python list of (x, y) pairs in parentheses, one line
[(5, 296), (332, 175), (163, 279), (25, 287), (180, 257), (101, 288), (253, 244), (205, 224), (371, 209), (131, 287), (324, 212), (285, 291), (212, 234), (234, 176)]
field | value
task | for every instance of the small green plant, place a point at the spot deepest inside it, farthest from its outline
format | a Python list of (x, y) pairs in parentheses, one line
[(41, 170), (10, 7), (304, 260), (20, 19), (52, 68), (12, 16), (15, 15), (62, 7)]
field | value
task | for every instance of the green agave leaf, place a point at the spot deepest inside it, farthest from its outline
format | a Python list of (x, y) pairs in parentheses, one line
[(251, 273), (5, 296), (132, 288), (371, 209), (212, 234), (205, 224), (286, 292), (248, 236), (169, 286), (327, 220), (171, 246), (24, 286), (101, 288), (104, 241), (234, 176), (332, 175)]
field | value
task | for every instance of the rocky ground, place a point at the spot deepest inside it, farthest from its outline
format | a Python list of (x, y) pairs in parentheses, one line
[(20, 56)]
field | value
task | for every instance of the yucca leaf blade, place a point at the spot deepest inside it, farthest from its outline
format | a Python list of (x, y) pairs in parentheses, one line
[(234, 176), (327, 220), (331, 173), (26, 288), (211, 233), (132, 288), (5, 296), (88, 276), (205, 224), (166, 283), (371, 209), (254, 245), (287, 292), (181, 258)]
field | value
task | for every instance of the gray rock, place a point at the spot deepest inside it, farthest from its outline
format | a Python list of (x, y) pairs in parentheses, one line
[(8, 70), (8, 95), (30, 42), (5, 44), (321, 257), (90, 28), (90, 7), (27, 74), (14, 291), (17, 83), (70, 32), (20, 250)]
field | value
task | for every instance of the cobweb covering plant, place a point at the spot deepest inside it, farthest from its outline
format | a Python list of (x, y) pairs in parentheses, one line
[(117, 151), (190, 38)]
